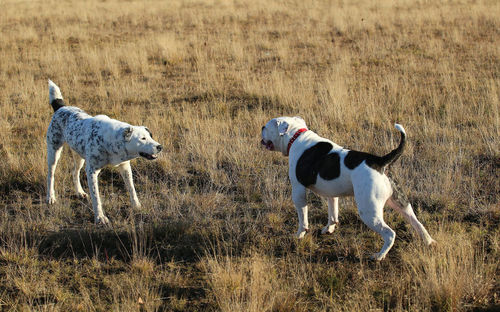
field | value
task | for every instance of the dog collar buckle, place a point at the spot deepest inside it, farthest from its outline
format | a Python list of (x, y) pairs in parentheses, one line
[(295, 136)]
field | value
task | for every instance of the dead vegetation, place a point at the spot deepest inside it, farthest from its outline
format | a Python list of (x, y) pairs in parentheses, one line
[(215, 230)]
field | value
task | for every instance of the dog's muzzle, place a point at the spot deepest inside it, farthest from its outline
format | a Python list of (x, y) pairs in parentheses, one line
[(159, 148), (148, 156), (269, 145)]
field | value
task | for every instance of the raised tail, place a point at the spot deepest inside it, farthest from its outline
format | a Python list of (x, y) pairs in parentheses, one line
[(55, 96), (388, 159)]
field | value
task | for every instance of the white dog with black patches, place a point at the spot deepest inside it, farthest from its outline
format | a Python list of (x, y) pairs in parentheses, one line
[(331, 171), (98, 141)]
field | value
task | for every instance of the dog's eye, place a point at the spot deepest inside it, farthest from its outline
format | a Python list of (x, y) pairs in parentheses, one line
[(144, 138)]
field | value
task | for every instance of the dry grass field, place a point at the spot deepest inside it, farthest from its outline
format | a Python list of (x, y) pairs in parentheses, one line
[(216, 229)]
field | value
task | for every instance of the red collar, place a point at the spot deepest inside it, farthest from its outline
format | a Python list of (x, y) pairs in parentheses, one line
[(295, 136)]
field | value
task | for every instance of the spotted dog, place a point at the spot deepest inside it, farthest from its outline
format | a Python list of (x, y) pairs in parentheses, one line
[(98, 141), (331, 171)]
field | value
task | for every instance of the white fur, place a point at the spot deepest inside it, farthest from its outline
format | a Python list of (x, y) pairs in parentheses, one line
[(400, 128), (97, 141), (54, 92), (370, 188)]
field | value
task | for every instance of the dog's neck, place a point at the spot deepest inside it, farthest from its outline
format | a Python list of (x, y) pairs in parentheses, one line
[(293, 138)]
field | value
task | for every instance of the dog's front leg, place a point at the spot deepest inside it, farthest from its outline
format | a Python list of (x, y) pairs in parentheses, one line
[(126, 173), (299, 200), (92, 175), (333, 215)]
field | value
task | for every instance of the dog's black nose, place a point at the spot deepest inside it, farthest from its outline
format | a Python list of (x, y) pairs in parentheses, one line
[(159, 148)]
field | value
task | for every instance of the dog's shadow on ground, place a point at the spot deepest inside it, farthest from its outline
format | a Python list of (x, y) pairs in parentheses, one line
[(172, 241)]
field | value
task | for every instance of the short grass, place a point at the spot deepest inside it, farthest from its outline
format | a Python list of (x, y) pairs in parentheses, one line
[(215, 230)]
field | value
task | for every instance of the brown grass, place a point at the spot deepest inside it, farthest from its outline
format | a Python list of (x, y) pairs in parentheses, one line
[(216, 229)]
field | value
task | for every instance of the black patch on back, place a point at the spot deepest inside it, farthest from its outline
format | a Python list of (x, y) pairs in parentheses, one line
[(318, 160), (355, 158), (56, 104)]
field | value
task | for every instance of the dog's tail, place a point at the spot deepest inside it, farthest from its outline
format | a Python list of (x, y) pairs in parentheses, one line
[(388, 159), (55, 96)]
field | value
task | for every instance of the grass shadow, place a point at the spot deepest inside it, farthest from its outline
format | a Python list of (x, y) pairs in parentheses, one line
[(163, 242), (240, 101)]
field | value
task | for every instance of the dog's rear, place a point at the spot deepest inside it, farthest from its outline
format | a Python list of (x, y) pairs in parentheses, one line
[(55, 96)]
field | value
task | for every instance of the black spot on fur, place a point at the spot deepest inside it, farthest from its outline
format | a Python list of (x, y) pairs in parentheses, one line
[(56, 104), (318, 160), (354, 158)]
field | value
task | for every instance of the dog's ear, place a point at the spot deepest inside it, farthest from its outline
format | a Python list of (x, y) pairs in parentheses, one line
[(150, 134), (282, 126), (127, 133)]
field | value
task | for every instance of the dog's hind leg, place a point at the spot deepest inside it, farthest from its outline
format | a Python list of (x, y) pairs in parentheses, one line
[(126, 173), (407, 211), (333, 215), (78, 164), (53, 155), (400, 203), (371, 193), (372, 216)]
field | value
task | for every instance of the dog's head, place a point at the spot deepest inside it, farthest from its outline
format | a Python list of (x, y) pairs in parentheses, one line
[(139, 142), (277, 132)]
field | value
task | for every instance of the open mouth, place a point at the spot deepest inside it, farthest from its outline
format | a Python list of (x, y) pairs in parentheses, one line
[(148, 156), (269, 145)]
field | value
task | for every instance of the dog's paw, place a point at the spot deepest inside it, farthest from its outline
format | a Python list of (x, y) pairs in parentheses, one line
[(301, 233), (377, 257), (329, 229), (102, 220), (432, 243), (51, 200), (82, 195), (136, 206)]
